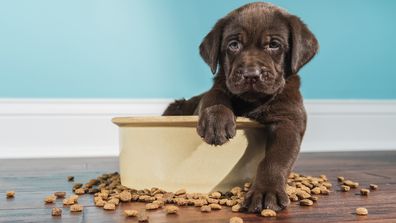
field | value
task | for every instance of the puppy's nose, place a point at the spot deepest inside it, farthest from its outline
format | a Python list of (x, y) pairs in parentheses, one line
[(250, 73)]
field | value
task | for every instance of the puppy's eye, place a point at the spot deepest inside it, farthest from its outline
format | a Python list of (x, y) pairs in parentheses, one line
[(234, 46), (274, 45)]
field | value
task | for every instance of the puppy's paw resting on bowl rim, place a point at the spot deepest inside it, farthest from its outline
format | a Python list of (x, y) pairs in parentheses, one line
[(216, 125)]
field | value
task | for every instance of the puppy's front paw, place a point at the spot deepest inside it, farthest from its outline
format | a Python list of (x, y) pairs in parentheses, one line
[(265, 198), (216, 125)]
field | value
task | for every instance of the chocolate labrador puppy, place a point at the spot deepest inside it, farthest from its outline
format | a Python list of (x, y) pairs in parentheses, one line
[(255, 52)]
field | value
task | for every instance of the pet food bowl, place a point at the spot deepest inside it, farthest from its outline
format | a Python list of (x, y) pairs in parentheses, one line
[(166, 152)]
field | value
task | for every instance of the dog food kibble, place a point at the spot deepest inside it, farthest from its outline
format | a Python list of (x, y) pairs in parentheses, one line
[(171, 209), (77, 186), (268, 213), (10, 194), (109, 206), (151, 206), (68, 201), (373, 186), (181, 201), (212, 201), (74, 198), (231, 203), (306, 202), (100, 203), (142, 217), (316, 190), (60, 194), (324, 177), (180, 192), (206, 208), (361, 211), (56, 212), (364, 192), (76, 208), (314, 198), (302, 194), (79, 191), (107, 192), (125, 196), (93, 190), (293, 197), (236, 220), (114, 201), (236, 190), (351, 184), (345, 188), (216, 195), (222, 201), (325, 192), (327, 184), (131, 213), (70, 178), (215, 206), (200, 202), (50, 199), (236, 208), (160, 203)]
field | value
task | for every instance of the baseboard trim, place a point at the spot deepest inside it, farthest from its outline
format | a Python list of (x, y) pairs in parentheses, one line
[(71, 128)]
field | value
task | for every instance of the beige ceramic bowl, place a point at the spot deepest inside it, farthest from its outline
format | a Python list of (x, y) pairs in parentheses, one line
[(166, 152)]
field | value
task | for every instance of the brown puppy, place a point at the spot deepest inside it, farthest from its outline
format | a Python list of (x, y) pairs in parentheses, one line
[(259, 48)]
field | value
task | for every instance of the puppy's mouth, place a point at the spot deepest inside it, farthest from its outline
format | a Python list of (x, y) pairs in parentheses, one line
[(264, 83)]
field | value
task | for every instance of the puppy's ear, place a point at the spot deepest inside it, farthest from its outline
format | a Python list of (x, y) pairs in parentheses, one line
[(304, 45), (210, 46)]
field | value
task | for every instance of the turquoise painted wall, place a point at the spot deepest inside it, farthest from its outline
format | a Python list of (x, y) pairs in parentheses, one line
[(149, 48)]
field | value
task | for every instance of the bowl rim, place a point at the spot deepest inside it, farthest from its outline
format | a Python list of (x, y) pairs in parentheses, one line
[(175, 121)]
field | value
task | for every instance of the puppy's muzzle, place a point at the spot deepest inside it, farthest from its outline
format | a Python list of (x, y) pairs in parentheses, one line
[(252, 74)]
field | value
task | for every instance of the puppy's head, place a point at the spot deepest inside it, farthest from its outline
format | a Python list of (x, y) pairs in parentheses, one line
[(256, 47)]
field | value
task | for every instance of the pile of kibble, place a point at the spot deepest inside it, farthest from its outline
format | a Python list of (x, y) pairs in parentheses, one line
[(108, 192)]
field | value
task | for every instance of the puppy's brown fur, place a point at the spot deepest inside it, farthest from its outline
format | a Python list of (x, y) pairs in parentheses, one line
[(255, 52)]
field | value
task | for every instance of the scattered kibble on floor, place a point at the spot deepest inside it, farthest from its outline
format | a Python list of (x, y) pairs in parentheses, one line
[(56, 212), (364, 192), (60, 194), (131, 213), (361, 211), (142, 217), (10, 194), (345, 188), (206, 208), (373, 186), (306, 202), (152, 206), (109, 206), (50, 199), (268, 213), (171, 209), (76, 208), (236, 220), (108, 193)]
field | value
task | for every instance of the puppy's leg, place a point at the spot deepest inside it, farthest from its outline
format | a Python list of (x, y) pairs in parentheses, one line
[(268, 189), (183, 106)]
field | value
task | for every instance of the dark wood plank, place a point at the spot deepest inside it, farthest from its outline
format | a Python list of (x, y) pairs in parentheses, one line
[(33, 179)]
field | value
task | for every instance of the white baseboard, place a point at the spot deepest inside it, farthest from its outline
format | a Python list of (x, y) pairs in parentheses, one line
[(67, 128)]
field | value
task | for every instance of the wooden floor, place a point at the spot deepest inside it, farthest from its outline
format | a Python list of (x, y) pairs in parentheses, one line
[(33, 179)]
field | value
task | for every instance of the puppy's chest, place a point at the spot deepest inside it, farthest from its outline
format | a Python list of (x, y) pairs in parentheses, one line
[(243, 108)]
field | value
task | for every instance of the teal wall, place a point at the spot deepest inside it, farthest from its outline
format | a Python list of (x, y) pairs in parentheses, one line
[(149, 48)]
